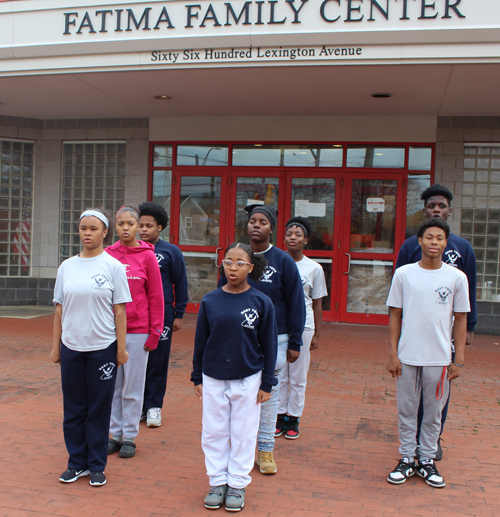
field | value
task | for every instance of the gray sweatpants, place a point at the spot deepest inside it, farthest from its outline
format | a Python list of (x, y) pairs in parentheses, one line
[(414, 381), (129, 390)]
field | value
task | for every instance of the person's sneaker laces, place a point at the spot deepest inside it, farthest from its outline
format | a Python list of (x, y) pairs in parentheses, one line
[(402, 472), (154, 417), (427, 470), (235, 499), (97, 478), (216, 497), (280, 425), (71, 475), (292, 428), (266, 463)]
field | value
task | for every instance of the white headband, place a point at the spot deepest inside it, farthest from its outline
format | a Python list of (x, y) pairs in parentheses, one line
[(95, 213)]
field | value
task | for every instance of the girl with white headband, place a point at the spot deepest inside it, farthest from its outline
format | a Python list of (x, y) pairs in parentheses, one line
[(89, 341)]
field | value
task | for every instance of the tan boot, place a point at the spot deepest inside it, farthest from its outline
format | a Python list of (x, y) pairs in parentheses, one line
[(266, 463)]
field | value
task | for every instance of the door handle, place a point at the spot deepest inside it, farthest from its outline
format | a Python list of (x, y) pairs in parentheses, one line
[(349, 266), (217, 255)]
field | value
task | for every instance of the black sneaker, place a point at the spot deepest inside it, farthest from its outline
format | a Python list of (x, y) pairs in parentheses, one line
[(292, 428), (71, 475), (427, 470), (280, 425), (97, 478), (439, 452), (402, 472)]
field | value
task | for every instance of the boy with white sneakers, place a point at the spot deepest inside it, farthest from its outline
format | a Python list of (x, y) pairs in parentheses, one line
[(423, 300)]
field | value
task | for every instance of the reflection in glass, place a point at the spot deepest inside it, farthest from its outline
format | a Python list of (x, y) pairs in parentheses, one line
[(368, 288), (314, 198), (414, 205), (373, 216), (201, 155), (201, 274), (199, 210), (420, 159), (162, 187), (370, 156), (326, 264), (275, 155), (162, 156), (249, 191)]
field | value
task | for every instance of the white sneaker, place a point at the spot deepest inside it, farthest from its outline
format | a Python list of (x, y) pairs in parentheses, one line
[(154, 417)]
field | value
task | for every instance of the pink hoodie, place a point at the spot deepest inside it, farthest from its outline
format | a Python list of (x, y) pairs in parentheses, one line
[(145, 312)]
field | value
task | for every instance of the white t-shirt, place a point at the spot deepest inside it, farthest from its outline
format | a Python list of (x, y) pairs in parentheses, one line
[(313, 282), (87, 289), (428, 297)]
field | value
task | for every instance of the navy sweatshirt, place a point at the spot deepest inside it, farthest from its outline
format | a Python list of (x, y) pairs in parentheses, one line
[(173, 276), (236, 337), (459, 254), (281, 282)]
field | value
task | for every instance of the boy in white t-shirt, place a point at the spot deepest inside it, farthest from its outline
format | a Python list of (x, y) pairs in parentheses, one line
[(423, 300)]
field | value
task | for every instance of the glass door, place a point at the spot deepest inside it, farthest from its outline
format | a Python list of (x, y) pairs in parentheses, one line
[(198, 227), (369, 245)]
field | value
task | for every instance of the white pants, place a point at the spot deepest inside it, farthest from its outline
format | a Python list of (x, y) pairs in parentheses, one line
[(293, 380), (230, 425), (129, 390)]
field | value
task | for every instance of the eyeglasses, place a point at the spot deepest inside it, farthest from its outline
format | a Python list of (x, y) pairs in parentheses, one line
[(240, 264)]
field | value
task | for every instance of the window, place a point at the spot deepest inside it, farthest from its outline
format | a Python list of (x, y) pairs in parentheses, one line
[(275, 155), (93, 176), (16, 202), (480, 218)]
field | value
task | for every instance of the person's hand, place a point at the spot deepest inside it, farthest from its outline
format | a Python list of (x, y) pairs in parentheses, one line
[(148, 349), (198, 391), (121, 358), (55, 355), (314, 343), (394, 366), (453, 372), (177, 324), (470, 337), (263, 396), (292, 355)]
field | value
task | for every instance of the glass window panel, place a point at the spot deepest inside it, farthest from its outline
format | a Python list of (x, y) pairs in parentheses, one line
[(257, 155), (326, 264), (420, 159), (162, 188), (162, 156), (414, 205), (201, 273), (202, 155), (371, 156), (312, 156), (368, 286), (199, 210), (251, 191), (373, 216), (314, 198)]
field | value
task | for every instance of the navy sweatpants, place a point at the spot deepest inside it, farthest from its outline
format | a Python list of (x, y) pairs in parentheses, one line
[(88, 382), (157, 370)]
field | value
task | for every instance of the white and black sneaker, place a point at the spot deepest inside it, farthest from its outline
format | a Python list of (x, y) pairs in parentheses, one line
[(428, 471), (402, 472), (71, 475)]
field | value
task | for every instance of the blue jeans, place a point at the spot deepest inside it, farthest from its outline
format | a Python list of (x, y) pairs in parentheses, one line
[(269, 409)]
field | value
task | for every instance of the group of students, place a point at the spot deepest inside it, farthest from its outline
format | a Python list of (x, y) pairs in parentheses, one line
[(253, 340)]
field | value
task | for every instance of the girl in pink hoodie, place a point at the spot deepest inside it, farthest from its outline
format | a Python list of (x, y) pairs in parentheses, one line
[(144, 328)]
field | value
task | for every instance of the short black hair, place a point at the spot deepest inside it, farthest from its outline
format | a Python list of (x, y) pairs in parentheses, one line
[(301, 221), (257, 259), (156, 211), (436, 190), (435, 222)]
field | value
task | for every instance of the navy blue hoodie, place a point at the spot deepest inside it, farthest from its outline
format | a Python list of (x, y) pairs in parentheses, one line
[(458, 253)]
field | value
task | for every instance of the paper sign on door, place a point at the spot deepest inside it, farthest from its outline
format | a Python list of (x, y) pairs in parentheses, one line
[(375, 204)]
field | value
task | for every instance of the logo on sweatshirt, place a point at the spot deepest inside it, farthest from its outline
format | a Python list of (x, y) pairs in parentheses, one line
[(100, 281), (107, 371), (164, 334), (251, 316), (451, 257), (127, 271), (159, 257), (268, 273), (443, 293)]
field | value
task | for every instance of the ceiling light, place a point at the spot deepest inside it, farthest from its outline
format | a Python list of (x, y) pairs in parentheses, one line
[(257, 145), (336, 145), (379, 154), (162, 97), (381, 95)]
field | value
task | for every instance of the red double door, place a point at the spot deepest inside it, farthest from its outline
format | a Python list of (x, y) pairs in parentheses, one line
[(357, 218)]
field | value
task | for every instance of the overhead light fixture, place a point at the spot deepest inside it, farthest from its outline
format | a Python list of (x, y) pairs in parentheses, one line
[(257, 145), (381, 95), (379, 154), (336, 145), (162, 97)]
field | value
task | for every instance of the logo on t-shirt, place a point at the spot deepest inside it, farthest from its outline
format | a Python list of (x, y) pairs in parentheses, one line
[(268, 273), (251, 316), (101, 282), (443, 293), (107, 371), (451, 257)]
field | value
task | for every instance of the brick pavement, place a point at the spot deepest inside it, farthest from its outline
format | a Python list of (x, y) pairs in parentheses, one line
[(338, 466)]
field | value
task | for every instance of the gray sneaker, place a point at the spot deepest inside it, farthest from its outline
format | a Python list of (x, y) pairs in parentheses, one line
[(235, 499), (216, 497)]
